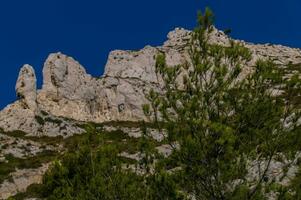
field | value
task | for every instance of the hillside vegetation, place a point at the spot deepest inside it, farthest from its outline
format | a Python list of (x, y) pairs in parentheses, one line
[(215, 133)]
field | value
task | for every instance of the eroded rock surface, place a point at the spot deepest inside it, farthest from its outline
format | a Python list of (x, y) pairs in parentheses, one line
[(20, 148), (69, 97), (21, 179), (69, 92), (26, 87)]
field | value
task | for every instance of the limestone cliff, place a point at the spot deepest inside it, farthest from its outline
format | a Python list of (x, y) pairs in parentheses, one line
[(69, 92)]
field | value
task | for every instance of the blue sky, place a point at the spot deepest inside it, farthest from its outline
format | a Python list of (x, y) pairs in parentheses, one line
[(89, 29)]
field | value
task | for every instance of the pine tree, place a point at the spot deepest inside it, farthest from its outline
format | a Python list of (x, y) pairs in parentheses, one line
[(224, 122)]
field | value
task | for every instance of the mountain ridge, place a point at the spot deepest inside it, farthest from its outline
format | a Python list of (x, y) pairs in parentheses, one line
[(71, 100), (68, 91)]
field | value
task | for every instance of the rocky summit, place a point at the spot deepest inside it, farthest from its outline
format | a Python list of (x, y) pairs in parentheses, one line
[(68, 92), (31, 128)]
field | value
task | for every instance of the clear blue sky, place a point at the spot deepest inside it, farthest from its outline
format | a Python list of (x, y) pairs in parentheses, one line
[(89, 29)]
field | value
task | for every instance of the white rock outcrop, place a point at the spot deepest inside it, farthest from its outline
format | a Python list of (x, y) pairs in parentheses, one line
[(69, 92), (26, 88), (21, 179)]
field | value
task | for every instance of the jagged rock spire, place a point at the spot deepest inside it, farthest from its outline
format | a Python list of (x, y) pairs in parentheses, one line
[(26, 87)]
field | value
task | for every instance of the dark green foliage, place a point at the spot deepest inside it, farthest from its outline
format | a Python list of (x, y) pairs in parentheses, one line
[(222, 122), (54, 121), (91, 175), (44, 113), (42, 139), (40, 120), (33, 191), (93, 169), (17, 134), (129, 124)]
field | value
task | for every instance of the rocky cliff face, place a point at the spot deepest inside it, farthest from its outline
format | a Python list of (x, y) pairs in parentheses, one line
[(69, 92)]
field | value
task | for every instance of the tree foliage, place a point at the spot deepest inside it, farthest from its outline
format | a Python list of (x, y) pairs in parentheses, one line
[(220, 121), (223, 119), (94, 169)]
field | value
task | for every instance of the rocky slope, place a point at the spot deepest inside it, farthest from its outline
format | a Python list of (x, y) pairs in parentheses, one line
[(69, 92), (70, 97)]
